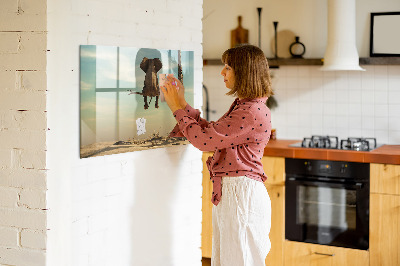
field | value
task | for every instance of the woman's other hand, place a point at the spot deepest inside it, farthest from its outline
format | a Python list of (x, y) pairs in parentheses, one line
[(174, 94), (181, 91)]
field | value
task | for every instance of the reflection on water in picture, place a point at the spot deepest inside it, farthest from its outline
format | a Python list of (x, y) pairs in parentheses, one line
[(122, 107)]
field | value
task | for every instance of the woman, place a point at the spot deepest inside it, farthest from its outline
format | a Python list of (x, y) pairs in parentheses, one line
[(242, 208)]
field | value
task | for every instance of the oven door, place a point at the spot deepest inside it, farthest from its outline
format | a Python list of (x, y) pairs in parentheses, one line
[(327, 213)]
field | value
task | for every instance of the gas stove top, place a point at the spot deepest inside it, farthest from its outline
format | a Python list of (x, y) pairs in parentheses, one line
[(332, 142)]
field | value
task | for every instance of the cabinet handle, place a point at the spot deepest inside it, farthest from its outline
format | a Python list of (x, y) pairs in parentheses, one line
[(324, 254)]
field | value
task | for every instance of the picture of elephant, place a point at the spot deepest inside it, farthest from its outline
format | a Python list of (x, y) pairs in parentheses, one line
[(117, 87), (151, 88)]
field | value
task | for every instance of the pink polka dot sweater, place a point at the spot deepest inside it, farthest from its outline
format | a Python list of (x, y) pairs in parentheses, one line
[(238, 139)]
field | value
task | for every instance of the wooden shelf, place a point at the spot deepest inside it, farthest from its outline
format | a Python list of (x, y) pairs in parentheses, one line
[(274, 63), (212, 62), (380, 61)]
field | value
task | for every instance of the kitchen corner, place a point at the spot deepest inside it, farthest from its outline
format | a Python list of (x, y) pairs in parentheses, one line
[(381, 194), (342, 205)]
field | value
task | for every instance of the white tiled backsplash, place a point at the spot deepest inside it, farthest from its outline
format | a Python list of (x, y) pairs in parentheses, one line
[(339, 103)]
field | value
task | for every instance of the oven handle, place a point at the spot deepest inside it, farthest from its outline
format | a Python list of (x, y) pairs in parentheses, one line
[(357, 185)]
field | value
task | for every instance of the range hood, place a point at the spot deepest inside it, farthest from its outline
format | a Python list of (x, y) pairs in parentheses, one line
[(341, 51)]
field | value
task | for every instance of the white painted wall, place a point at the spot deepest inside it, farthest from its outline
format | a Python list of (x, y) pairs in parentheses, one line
[(141, 208), (311, 102), (23, 133), (306, 18), (345, 103)]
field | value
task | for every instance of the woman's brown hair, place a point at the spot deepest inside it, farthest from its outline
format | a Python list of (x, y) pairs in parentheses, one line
[(250, 66)]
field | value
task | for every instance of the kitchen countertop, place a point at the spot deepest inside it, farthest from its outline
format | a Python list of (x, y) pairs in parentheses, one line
[(389, 154)]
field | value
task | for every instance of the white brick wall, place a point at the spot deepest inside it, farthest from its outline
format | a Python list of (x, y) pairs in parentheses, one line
[(33, 239), (11, 256), (9, 237), (23, 132), (23, 178), (140, 208), (114, 210), (8, 197)]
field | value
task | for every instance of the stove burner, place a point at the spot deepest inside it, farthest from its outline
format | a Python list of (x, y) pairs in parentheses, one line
[(332, 142), (328, 142), (358, 144)]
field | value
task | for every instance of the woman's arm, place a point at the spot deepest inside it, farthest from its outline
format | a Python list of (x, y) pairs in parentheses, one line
[(193, 113), (239, 127), (174, 93)]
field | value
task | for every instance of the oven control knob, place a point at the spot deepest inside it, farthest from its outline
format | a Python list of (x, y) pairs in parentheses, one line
[(308, 166), (343, 168)]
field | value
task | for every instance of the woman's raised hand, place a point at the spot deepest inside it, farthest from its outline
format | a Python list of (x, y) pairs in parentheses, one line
[(181, 91), (174, 94)]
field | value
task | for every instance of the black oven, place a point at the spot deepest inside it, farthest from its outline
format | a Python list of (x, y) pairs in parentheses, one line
[(327, 202)]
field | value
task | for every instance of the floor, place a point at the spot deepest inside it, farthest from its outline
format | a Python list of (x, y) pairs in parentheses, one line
[(206, 261)]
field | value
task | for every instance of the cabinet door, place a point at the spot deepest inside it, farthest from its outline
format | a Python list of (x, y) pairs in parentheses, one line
[(384, 230), (385, 178), (277, 233), (274, 168), (304, 254), (206, 226)]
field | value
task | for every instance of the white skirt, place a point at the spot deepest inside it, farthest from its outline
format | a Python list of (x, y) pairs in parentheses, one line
[(241, 223)]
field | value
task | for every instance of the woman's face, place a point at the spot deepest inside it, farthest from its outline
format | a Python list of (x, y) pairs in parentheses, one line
[(229, 76)]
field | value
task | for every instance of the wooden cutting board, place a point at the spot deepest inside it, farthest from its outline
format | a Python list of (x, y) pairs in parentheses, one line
[(239, 35)]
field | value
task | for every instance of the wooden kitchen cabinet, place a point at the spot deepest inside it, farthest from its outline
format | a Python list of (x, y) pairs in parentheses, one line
[(274, 168), (277, 233), (385, 215), (305, 254), (206, 225), (385, 178), (384, 236)]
